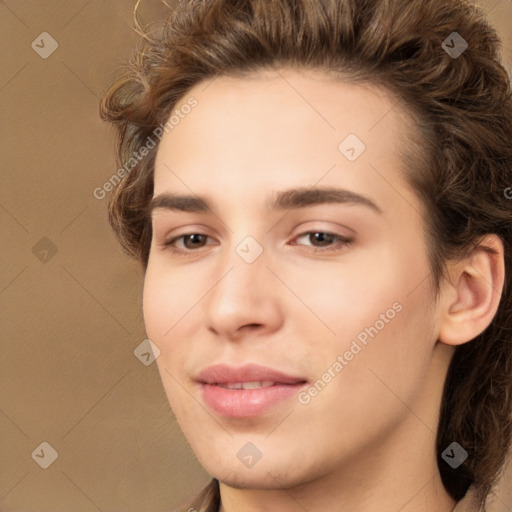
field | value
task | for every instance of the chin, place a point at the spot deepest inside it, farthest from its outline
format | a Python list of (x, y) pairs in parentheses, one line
[(270, 474), (263, 480)]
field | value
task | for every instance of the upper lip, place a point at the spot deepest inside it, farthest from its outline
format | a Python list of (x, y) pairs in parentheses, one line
[(225, 374)]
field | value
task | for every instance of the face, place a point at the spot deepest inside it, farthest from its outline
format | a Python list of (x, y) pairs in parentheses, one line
[(296, 270)]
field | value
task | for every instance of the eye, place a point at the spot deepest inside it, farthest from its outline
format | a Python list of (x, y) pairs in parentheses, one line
[(326, 241), (321, 241), (190, 242)]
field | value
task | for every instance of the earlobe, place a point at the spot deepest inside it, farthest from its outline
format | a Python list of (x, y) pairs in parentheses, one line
[(473, 295)]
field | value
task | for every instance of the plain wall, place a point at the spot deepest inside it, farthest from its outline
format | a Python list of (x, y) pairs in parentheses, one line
[(70, 300)]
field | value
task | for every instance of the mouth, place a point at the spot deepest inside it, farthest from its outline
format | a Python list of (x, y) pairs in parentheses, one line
[(246, 391), (247, 385)]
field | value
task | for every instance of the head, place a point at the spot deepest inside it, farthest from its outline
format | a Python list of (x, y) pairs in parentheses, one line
[(263, 110)]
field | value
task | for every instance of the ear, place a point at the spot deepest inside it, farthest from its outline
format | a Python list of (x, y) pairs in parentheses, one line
[(471, 298)]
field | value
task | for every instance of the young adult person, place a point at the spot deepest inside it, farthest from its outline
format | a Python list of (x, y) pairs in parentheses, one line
[(320, 199)]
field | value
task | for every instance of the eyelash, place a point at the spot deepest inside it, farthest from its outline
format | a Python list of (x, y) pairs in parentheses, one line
[(342, 241)]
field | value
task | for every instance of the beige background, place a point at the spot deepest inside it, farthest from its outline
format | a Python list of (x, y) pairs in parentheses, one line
[(68, 374)]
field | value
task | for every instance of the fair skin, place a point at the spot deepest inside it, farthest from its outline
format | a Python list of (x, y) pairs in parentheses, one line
[(366, 441)]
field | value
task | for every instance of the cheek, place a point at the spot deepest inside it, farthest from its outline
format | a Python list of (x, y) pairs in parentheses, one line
[(375, 308), (165, 301), (398, 350), (164, 315), (348, 297), (156, 304)]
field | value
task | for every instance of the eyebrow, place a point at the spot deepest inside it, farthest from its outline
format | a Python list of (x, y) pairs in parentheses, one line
[(285, 200)]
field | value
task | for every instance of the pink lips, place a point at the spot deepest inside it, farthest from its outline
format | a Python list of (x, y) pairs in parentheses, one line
[(246, 391)]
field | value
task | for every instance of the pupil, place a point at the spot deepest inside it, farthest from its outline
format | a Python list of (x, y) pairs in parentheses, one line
[(193, 239), (322, 237)]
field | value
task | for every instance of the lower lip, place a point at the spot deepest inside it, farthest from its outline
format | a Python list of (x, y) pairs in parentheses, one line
[(246, 403)]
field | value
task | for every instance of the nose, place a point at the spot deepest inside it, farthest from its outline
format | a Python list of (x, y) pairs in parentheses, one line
[(245, 299)]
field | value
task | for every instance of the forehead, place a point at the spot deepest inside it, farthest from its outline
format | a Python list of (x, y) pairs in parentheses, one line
[(277, 128), (333, 102)]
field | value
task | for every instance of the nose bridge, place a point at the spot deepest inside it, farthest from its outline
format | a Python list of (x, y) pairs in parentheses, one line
[(244, 269), (243, 294), (244, 252)]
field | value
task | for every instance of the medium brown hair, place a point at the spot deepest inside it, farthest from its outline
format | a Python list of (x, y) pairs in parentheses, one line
[(461, 106)]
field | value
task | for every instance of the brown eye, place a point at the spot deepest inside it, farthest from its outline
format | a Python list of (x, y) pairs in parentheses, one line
[(187, 244), (194, 240), (324, 239), (321, 241)]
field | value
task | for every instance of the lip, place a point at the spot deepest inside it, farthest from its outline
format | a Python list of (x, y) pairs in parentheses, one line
[(250, 372), (246, 403)]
